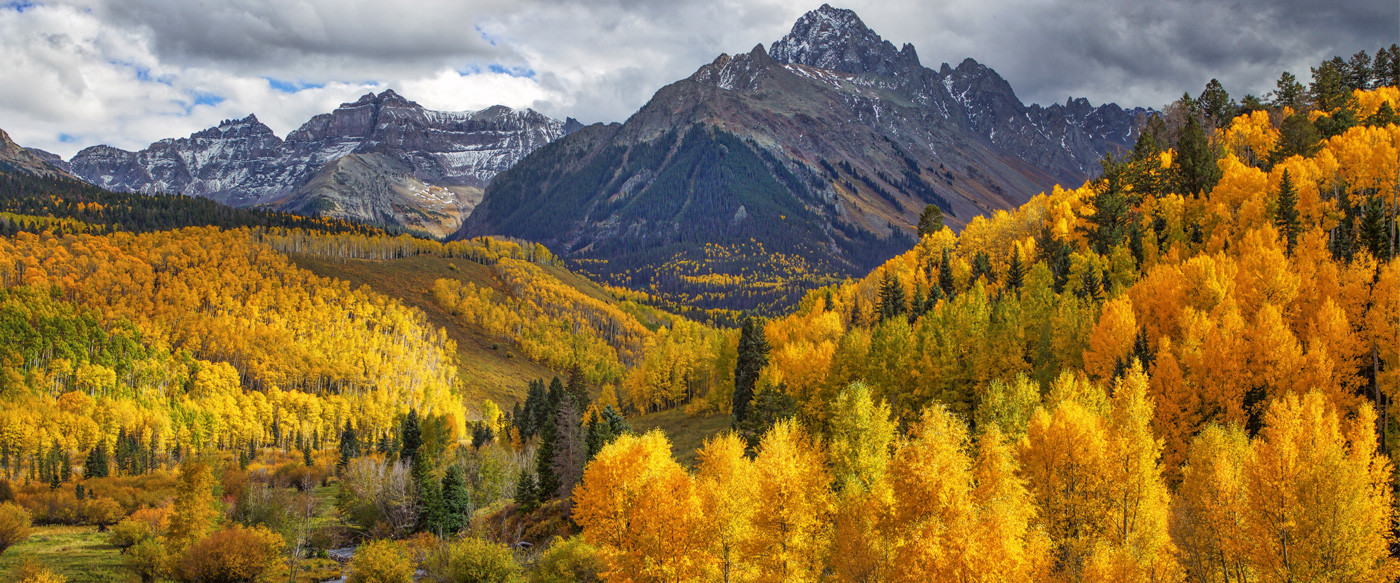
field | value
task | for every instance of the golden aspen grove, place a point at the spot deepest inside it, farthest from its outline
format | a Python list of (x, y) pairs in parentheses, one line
[(1185, 369)]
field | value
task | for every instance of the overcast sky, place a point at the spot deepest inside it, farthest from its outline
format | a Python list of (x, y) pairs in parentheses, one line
[(75, 73)]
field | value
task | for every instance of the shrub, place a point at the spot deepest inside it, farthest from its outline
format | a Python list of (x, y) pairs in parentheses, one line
[(146, 558), (14, 525), (102, 512), (32, 571), (381, 561), (232, 555), (472, 560), (568, 561), (146, 523)]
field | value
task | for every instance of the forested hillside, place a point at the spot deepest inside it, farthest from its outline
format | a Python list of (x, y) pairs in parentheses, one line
[(1185, 370)]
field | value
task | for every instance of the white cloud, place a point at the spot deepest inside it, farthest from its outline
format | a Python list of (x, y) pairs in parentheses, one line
[(129, 72)]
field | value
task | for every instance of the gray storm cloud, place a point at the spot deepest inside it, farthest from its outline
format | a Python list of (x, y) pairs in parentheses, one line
[(128, 72)]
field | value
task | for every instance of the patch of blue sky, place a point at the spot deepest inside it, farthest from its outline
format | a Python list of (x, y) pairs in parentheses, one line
[(67, 138), (142, 72), (19, 6), (291, 86), (484, 36), (497, 68), (520, 71)]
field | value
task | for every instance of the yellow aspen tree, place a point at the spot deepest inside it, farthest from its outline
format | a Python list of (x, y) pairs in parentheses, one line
[(1111, 342), (933, 515), (194, 511), (1208, 511), (1011, 548), (1319, 499), (727, 490), (1137, 544), (861, 437), (792, 524), (639, 507), (862, 433)]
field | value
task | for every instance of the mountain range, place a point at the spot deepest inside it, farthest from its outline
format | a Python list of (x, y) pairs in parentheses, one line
[(761, 176), (817, 153), (382, 159)]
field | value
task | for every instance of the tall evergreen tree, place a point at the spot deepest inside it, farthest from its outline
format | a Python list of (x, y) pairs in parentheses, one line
[(526, 491), (96, 466), (1195, 163), (578, 387), (349, 446), (1288, 92), (410, 436), (1330, 87), (547, 484), (1216, 104), (945, 275), (570, 449), (432, 514), (752, 357), (530, 419), (891, 297), (1286, 217), (456, 501), (1016, 271)]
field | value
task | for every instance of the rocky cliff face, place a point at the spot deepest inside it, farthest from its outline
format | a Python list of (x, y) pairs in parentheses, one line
[(17, 158), (242, 162), (822, 148)]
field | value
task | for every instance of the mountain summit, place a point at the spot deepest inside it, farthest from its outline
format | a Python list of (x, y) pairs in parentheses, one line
[(836, 39), (412, 167), (805, 162)]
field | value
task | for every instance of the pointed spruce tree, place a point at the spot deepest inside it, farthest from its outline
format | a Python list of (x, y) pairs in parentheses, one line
[(752, 357)]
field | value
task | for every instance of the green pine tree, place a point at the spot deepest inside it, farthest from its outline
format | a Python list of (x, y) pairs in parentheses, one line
[(526, 494), (752, 357), (96, 465), (349, 446), (456, 501)]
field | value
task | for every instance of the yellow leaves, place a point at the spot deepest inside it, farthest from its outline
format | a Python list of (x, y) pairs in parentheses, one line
[(791, 534), (861, 435), (1319, 497), (728, 492), (1112, 339), (1367, 157), (1252, 137), (1368, 101), (1210, 507), (641, 509)]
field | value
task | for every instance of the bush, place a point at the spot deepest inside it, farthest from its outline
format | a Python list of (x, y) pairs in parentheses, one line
[(232, 555), (146, 558), (381, 561), (472, 560), (32, 571), (14, 525), (568, 561), (146, 523), (102, 512)]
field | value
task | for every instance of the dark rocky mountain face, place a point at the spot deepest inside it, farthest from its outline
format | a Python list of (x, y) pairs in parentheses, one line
[(242, 162), (812, 158), (30, 161)]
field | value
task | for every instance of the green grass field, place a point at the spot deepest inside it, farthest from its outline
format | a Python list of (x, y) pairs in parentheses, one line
[(686, 433), (79, 553)]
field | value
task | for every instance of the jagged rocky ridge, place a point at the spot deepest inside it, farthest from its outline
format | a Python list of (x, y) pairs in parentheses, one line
[(824, 146), (413, 167), (32, 161)]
